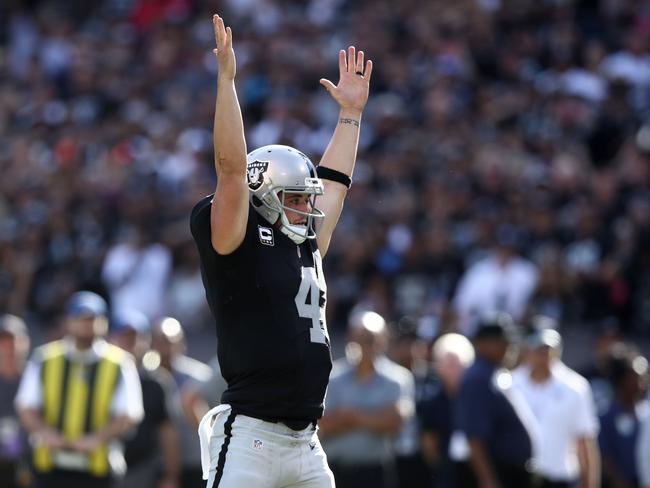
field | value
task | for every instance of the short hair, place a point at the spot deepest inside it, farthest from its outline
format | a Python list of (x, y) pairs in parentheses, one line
[(453, 343), (623, 361)]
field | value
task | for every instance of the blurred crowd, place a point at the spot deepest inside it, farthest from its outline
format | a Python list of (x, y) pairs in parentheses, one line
[(504, 158), (517, 123)]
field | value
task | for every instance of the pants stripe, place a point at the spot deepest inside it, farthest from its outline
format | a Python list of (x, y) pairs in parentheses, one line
[(227, 430)]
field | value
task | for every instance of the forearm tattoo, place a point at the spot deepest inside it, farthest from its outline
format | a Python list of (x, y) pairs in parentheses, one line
[(353, 122)]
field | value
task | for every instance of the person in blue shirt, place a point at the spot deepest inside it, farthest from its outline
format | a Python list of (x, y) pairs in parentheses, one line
[(620, 424), (452, 355), (496, 425)]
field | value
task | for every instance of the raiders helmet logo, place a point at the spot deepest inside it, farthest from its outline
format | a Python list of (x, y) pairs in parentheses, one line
[(255, 173)]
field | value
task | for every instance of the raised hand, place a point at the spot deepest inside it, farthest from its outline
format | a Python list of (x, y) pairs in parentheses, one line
[(224, 51), (354, 80)]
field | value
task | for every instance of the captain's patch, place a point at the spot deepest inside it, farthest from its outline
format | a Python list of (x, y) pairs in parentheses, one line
[(266, 235)]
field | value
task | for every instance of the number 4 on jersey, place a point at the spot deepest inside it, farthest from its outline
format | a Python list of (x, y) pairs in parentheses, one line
[(310, 302)]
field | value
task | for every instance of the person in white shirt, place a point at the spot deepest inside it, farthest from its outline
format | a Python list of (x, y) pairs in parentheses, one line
[(136, 272), (561, 402), (504, 281)]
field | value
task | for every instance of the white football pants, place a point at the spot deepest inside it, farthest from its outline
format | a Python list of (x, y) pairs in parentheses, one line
[(250, 453)]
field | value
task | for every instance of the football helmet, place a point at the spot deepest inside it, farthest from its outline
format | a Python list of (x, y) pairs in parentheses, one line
[(272, 172)]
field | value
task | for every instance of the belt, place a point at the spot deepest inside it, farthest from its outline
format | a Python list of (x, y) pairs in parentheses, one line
[(293, 424)]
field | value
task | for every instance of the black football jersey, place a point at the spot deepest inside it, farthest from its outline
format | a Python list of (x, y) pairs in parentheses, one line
[(268, 300)]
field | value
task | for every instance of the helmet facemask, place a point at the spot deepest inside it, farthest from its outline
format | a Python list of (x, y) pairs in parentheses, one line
[(274, 200)]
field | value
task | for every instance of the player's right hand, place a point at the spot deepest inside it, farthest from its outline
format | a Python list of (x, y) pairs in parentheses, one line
[(224, 51)]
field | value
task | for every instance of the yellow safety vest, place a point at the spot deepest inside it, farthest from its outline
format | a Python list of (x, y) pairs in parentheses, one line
[(77, 399)]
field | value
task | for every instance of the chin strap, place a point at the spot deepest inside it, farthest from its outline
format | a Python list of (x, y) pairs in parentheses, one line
[(288, 230), (297, 233)]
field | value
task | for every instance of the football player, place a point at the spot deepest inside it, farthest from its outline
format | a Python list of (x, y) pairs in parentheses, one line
[(261, 239)]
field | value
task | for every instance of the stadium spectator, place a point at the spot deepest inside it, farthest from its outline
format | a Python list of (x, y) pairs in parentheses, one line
[(14, 348), (503, 281), (452, 355), (621, 423), (151, 452), (497, 425), (369, 399), (136, 271), (169, 345), (409, 350), (77, 399), (563, 406), (608, 342)]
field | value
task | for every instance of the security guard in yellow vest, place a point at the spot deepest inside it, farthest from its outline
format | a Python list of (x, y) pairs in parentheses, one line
[(77, 398)]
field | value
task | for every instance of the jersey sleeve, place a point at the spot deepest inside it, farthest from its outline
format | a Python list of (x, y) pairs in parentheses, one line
[(201, 230), (200, 226)]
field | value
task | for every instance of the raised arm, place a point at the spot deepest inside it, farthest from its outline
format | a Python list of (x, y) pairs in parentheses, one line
[(351, 94), (229, 212)]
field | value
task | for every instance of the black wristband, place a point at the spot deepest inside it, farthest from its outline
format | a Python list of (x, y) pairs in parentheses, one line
[(333, 175)]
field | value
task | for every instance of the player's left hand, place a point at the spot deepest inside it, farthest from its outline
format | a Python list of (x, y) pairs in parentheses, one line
[(354, 80), (224, 51)]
